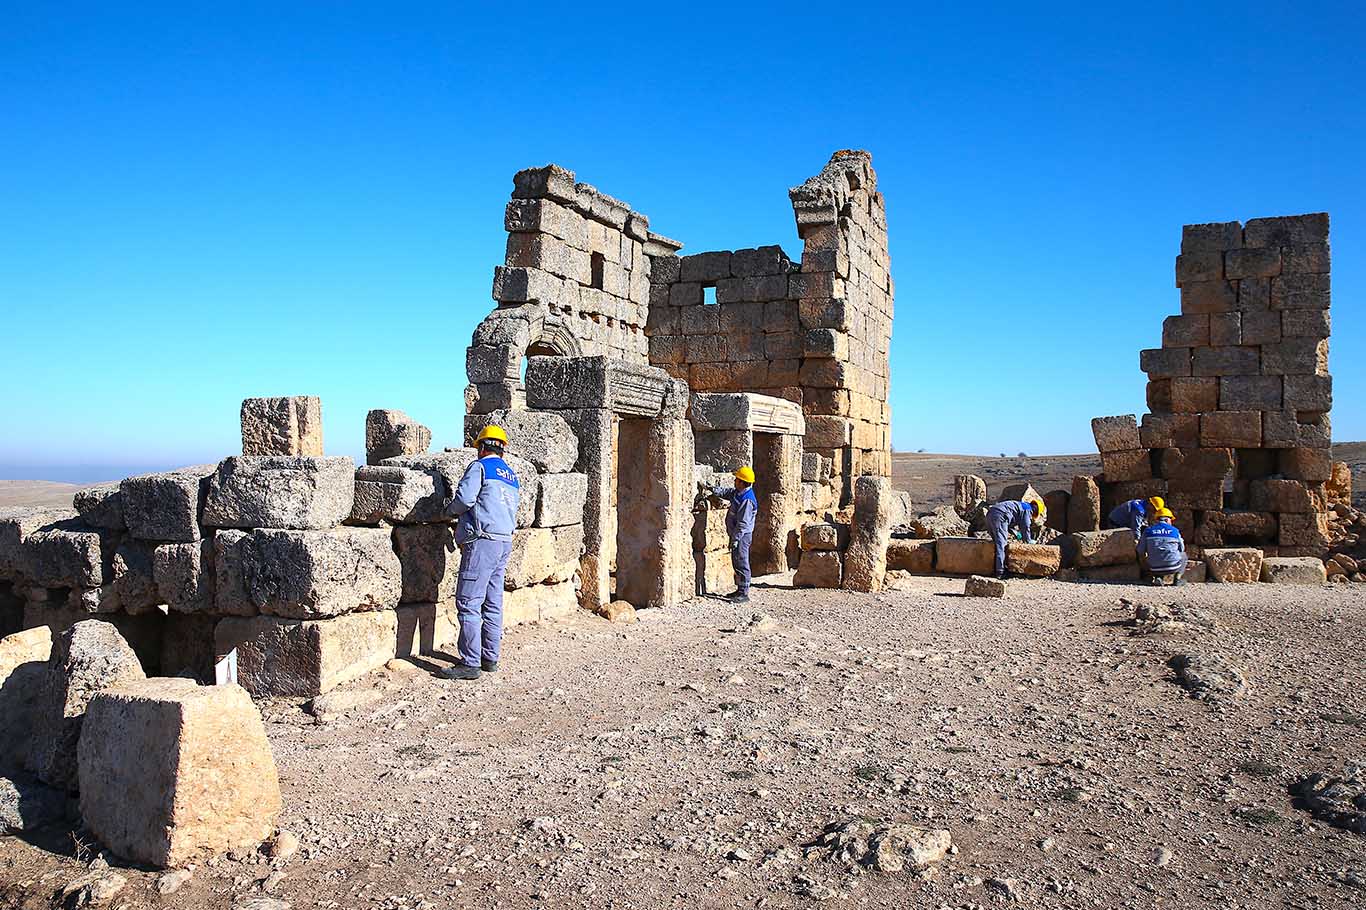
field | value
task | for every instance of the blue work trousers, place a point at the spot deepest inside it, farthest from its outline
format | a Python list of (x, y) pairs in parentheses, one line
[(479, 599), (999, 528), (739, 562)]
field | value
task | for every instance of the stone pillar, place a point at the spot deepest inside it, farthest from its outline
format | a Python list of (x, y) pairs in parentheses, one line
[(655, 566), (777, 486), (594, 429), (865, 562)]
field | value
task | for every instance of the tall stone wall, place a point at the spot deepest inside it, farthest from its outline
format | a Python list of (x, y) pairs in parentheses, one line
[(1238, 436), (815, 332)]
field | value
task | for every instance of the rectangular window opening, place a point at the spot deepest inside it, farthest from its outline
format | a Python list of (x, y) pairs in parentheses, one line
[(597, 262), (709, 296)]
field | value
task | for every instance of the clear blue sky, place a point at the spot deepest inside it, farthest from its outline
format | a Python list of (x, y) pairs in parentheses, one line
[(200, 203)]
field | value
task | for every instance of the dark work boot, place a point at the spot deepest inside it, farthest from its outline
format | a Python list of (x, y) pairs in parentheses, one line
[(489, 666), (737, 597), (459, 671)]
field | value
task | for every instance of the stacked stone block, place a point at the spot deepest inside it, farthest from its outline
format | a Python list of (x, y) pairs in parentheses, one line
[(575, 282), (1238, 436)]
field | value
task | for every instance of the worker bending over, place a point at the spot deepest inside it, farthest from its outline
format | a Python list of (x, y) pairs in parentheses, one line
[(1161, 551), (1136, 514), (485, 506), (1001, 517), (740, 528)]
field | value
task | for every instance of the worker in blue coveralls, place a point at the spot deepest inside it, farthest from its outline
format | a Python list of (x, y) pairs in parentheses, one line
[(1161, 551), (1002, 516), (485, 508), (740, 528), (1136, 514)]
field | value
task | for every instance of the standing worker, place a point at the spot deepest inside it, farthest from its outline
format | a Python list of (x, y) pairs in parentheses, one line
[(1002, 516), (740, 528), (1161, 551), (485, 506)]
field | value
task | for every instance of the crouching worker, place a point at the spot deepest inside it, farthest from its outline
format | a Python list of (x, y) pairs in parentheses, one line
[(740, 528), (485, 506), (1001, 517), (1136, 514), (1161, 551)]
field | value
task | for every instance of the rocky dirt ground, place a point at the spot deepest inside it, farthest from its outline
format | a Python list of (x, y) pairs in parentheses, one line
[(686, 760)]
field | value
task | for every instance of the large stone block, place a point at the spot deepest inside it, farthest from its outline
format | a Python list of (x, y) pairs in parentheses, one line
[(430, 562), (745, 411), (1235, 564), (984, 586), (184, 576), (1310, 324), (1310, 465), (16, 524), (969, 491), (1165, 431), (303, 658), (165, 507), (865, 559), (1257, 262), (172, 772), (133, 577), (1309, 531), (1308, 393), (1226, 361), (1296, 356), (86, 658), (276, 491), (398, 495), (1250, 393), (1115, 434), (1208, 297), (1205, 463), (101, 507), (964, 556), (539, 603), (1294, 570), (1194, 395), (451, 464), (724, 450), (1231, 429), (914, 556), (819, 569), (24, 657), (1215, 237), (543, 438), (1165, 363), (532, 559), (1036, 560), (1185, 332), (564, 383), (1301, 292), (1133, 464), (1083, 509), (823, 536), (391, 433), (282, 426), (568, 550), (562, 500), (306, 574), (64, 555), (1102, 548), (1287, 230)]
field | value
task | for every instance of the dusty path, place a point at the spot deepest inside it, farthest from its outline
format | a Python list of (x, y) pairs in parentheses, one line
[(684, 761)]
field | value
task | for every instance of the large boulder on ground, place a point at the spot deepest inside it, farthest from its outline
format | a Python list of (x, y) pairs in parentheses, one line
[(1088, 549), (272, 491), (1294, 570), (865, 560), (23, 670), (172, 772), (86, 658), (390, 433), (968, 491), (1234, 564), (942, 522), (964, 556), (914, 556), (542, 437), (818, 569), (306, 574), (1038, 560), (165, 507)]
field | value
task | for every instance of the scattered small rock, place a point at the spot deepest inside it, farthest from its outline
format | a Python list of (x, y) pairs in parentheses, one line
[(1339, 801), (282, 846), (93, 889), (1208, 677), (1006, 887), (882, 848), (618, 611), (26, 804), (980, 586), (1162, 856), (170, 882)]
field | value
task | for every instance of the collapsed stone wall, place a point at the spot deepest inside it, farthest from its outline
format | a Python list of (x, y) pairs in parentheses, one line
[(1238, 438)]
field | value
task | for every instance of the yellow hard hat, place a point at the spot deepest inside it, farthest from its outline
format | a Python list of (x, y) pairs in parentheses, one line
[(1165, 513), (493, 431), (746, 474), (1156, 504), (1039, 506)]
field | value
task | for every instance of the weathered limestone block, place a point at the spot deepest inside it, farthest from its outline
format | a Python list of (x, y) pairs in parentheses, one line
[(23, 671), (969, 491), (165, 507), (1102, 548), (282, 426), (1294, 570), (564, 383), (1309, 531), (562, 500), (306, 574), (86, 658), (539, 603), (64, 555), (532, 559), (541, 437), (1237, 564), (822, 536), (979, 586), (745, 411), (1115, 434), (865, 559), (1338, 488), (654, 559), (303, 658), (430, 562), (173, 772), (390, 433), (1278, 495), (451, 465), (1083, 509), (397, 495), (292, 493), (568, 550), (1205, 463), (724, 450), (1296, 429), (424, 628), (815, 468), (964, 556), (101, 507), (16, 524), (1308, 393), (819, 569), (134, 577), (1056, 503), (944, 521), (1133, 464), (1037, 560), (1309, 465), (1231, 429), (184, 576), (914, 556)]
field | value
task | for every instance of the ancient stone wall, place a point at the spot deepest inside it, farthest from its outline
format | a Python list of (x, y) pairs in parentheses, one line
[(1238, 436)]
